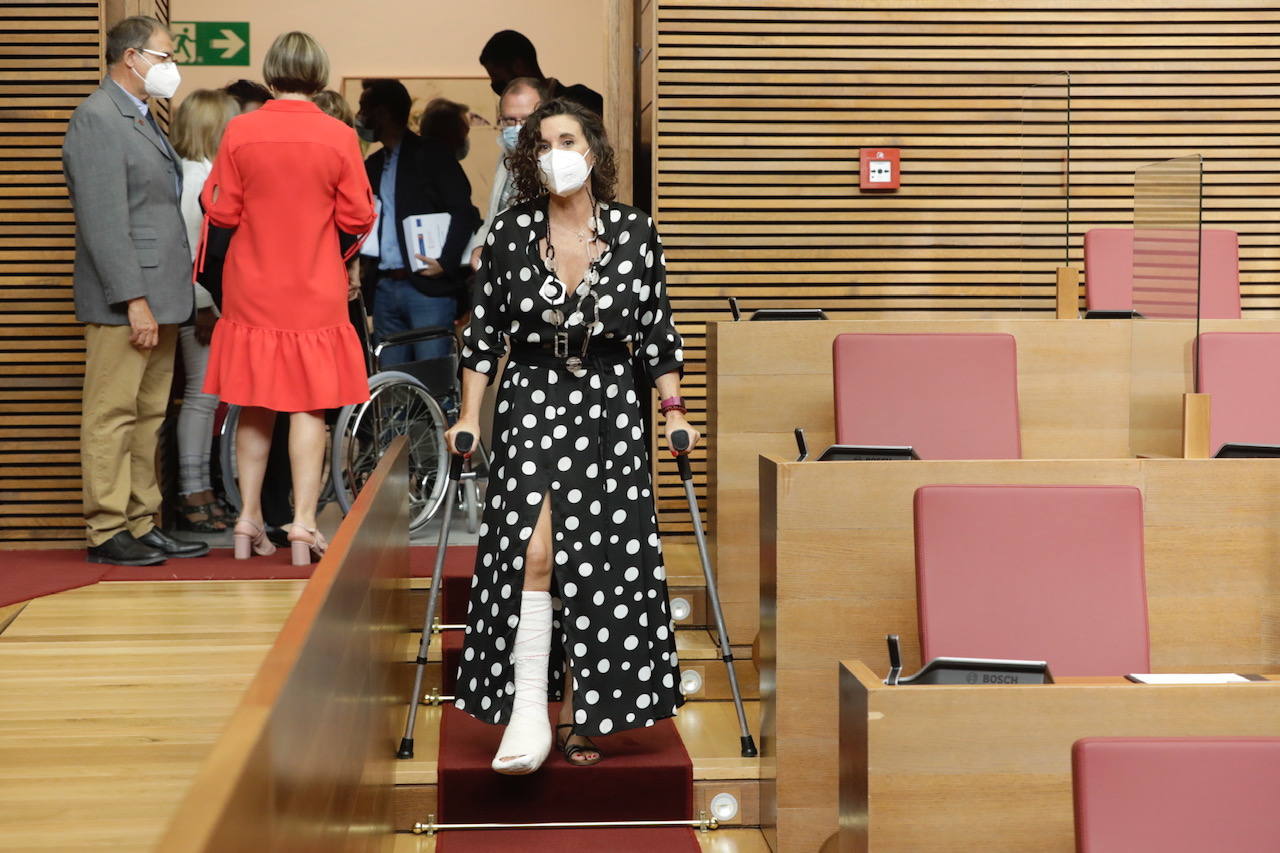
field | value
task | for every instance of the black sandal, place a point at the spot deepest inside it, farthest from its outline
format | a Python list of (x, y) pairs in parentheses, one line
[(571, 750), (200, 518)]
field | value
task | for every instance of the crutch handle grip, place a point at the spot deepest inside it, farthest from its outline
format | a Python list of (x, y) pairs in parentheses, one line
[(463, 441), (680, 442)]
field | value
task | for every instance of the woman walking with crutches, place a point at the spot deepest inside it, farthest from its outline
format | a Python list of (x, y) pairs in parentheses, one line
[(569, 595)]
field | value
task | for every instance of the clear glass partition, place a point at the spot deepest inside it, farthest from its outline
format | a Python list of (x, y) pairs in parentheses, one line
[(1165, 276), (1045, 222)]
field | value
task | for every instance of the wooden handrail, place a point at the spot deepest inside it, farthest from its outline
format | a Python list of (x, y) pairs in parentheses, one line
[(305, 762)]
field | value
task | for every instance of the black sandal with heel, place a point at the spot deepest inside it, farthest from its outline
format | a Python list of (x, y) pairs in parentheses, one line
[(200, 518), (571, 750)]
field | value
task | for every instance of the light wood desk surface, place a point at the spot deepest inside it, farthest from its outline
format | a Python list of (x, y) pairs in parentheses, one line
[(988, 768)]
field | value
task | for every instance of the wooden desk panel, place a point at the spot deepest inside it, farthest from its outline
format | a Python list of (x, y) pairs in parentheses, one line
[(1084, 391), (959, 768), (838, 573), (765, 379)]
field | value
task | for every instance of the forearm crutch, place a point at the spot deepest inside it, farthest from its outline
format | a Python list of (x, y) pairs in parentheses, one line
[(680, 441), (463, 441)]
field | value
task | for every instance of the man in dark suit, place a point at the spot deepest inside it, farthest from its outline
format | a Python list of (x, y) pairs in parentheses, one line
[(132, 290), (411, 176), (509, 54)]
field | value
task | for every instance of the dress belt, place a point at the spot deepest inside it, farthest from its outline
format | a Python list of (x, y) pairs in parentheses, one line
[(600, 352), (395, 275)]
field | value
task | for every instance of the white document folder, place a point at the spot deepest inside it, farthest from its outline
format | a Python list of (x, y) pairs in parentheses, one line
[(425, 235)]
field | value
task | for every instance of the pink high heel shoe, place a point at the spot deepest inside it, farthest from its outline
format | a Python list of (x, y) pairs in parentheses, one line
[(306, 544), (251, 538)]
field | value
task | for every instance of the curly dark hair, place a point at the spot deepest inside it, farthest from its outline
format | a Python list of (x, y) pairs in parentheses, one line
[(523, 162)]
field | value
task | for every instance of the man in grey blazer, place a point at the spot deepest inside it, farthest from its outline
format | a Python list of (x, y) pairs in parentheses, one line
[(132, 291)]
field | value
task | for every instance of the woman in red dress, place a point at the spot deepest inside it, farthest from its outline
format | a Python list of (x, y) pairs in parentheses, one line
[(289, 186)]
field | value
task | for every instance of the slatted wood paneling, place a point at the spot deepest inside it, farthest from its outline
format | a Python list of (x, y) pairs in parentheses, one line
[(49, 61), (761, 107)]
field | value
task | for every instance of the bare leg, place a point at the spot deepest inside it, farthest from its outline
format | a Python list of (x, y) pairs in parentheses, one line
[(537, 556), (306, 455), (253, 443)]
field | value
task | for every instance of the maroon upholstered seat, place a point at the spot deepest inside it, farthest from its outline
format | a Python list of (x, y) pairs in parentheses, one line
[(950, 396), (1177, 795), (1108, 271), (1241, 372), (1051, 573)]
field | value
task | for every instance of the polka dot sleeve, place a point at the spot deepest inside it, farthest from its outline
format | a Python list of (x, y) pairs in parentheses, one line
[(483, 344), (660, 344)]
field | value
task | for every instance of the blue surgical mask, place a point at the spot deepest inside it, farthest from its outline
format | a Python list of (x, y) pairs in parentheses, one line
[(509, 136)]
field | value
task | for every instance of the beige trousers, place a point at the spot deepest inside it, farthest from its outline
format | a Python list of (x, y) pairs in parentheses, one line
[(125, 395)]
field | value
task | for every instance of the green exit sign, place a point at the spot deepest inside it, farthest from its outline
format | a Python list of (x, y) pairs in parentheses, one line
[(211, 42)]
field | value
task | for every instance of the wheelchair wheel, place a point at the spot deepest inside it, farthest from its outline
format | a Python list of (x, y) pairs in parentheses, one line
[(227, 457), (398, 404), (227, 461)]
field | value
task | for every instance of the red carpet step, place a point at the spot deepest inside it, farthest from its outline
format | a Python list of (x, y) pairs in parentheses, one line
[(29, 574), (451, 646), (459, 565), (646, 775), (25, 575), (656, 840)]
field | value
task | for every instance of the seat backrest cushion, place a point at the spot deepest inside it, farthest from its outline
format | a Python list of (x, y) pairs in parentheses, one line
[(1108, 271), (1241, 373), (950, 396), (1177, 795), (1051, 573)]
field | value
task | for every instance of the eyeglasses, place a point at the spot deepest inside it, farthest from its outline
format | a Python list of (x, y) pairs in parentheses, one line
[(164, 57), (510, 122)]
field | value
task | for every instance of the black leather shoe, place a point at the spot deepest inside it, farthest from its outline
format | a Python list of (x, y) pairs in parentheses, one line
[(170, 547), (123, 550), (277, 535)]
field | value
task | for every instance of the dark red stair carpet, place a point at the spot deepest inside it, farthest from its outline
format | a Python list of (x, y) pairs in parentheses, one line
[(646, 840), (646, 775), (459, 565), (451, 647), (25, 575), (29, 574)]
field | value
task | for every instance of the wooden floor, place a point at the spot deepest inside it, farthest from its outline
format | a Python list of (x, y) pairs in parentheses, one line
[(111, 697)]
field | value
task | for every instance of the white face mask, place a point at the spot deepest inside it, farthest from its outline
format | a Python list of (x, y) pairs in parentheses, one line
[(563, 171), (162, 78)]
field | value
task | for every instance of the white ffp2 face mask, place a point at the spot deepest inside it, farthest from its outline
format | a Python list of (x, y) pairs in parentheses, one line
[(162, 78), (564, 171)]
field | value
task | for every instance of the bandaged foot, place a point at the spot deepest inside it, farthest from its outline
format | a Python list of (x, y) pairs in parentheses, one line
[(527, 740)]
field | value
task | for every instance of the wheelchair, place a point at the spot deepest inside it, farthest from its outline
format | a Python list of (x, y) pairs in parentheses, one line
[(418, 399)]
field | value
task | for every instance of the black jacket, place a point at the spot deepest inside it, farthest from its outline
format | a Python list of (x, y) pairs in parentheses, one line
[(429, 179)]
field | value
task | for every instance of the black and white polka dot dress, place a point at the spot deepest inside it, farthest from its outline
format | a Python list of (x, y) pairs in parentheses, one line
[(577, 437)]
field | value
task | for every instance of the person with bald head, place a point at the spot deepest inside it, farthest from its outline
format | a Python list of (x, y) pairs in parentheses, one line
[(519, 99)]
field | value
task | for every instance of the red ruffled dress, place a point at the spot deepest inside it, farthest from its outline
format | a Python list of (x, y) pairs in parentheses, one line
[(287, 178)]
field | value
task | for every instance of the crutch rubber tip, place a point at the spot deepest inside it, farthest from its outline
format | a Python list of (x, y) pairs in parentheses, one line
[(406, 748), (749, 747)]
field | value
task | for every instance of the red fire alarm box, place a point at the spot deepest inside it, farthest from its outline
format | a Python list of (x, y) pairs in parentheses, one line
[(880, 168)]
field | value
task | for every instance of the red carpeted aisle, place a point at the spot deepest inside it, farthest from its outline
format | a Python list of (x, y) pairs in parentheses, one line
[(29, 574), (25, 575), (646, 775)]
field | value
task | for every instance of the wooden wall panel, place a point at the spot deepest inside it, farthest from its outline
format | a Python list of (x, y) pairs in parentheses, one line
[(50, 60), (761, 107)]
